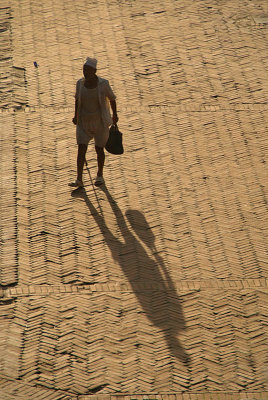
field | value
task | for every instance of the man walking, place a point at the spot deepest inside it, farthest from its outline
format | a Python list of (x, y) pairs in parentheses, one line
[(92, 118)]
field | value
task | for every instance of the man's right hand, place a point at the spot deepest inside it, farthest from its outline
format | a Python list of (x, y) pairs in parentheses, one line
[(75, 120)]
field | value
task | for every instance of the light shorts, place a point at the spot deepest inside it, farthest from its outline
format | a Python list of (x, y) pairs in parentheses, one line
[(96, 131)]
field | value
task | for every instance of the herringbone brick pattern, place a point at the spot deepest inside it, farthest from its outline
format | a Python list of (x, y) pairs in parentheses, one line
[(153, 287)]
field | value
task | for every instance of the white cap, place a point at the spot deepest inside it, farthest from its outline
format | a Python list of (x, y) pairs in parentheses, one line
[(92, 62)]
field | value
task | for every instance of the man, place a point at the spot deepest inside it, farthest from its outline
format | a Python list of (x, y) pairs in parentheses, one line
[(92, 117)]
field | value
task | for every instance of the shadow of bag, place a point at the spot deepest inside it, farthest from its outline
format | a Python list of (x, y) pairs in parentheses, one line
[(114, 144)]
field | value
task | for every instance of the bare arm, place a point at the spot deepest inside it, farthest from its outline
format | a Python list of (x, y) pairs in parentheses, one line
[(76, 103), (113, 106), (75, 112), (76, 108)]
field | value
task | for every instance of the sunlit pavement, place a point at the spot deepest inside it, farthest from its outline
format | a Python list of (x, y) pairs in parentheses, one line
[(153, 286)]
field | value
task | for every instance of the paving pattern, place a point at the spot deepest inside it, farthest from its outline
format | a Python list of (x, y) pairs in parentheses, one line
[(154, 286)]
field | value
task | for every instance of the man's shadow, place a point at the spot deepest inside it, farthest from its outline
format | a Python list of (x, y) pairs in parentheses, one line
[(162, 306)]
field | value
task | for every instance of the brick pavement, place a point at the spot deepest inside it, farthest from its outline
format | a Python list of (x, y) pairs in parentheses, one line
[(155, 286)]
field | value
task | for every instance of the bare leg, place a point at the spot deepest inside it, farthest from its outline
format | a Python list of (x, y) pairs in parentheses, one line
[(100, 159), (82, 149)]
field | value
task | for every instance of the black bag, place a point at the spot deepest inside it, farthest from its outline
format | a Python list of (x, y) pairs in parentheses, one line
[(114, 144)]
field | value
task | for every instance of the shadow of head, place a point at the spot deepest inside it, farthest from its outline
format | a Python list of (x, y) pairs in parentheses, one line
[(141, 227)]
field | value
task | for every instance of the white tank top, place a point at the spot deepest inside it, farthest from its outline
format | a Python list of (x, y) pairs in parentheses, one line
[(89, 100)]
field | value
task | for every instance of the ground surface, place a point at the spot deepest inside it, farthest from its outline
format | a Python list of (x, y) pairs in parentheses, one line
[(154, 286)]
